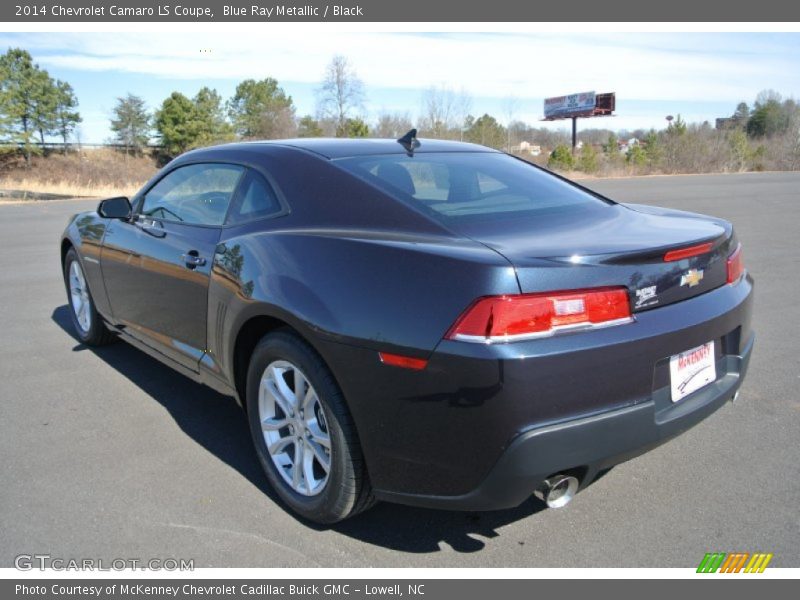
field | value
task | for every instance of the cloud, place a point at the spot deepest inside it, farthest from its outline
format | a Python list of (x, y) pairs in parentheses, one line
[(691, 67)]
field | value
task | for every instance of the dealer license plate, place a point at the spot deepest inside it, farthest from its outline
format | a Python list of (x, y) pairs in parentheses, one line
[(691, 370)]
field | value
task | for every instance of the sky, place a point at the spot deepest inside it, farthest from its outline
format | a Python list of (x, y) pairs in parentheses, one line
[(700, 76)]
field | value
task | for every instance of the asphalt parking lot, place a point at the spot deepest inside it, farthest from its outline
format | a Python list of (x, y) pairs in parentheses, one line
[(108, 454)]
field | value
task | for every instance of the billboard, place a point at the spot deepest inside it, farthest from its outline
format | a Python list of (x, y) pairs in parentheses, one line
[(568, 106)]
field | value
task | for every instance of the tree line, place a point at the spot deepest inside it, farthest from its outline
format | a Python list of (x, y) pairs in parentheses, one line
[(258, 109), (34, 105), (762, 137), (261, 109)]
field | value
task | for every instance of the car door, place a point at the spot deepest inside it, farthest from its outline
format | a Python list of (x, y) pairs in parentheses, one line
[(156, 266)]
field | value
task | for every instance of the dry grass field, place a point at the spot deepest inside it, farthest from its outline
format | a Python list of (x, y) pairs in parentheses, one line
[(102, 172)]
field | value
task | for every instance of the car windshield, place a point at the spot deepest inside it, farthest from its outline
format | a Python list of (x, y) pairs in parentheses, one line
[(471, 186)]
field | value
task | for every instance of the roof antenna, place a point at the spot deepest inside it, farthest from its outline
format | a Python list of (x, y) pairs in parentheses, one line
[(410, 142)]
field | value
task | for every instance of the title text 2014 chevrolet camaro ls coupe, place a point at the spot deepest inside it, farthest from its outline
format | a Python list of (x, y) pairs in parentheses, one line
[(432, 323)]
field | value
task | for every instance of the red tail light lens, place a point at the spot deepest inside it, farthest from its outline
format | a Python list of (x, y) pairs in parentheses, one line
[(688, 252), (735, 265), (527, 316)]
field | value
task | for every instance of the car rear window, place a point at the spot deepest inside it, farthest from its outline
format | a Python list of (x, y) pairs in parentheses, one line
[(470, 186)]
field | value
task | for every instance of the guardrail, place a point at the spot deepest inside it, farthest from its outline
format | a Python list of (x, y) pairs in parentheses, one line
[(76, 146)]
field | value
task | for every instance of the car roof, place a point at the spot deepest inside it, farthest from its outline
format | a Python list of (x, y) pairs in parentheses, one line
[(333, 148)]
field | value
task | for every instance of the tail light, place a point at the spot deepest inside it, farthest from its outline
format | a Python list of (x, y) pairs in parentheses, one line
[(527, 316), (735, 265)]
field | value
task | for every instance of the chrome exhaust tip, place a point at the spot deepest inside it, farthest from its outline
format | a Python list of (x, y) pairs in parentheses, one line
[(557, 490), (735, 396)]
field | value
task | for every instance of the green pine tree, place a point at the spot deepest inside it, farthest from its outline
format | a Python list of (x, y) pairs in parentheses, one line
[(214, 127), (177, 124), (485, 130), (561, 158), (587, 160), (67, 116), (131, 123), (27, 101), (308, 126), (354, 128), (261, 110)]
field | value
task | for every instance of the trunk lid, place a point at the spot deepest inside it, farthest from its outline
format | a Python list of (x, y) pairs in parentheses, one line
[(614, 245)]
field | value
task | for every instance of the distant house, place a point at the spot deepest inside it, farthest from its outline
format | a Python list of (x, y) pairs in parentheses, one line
[(528, 148), (625, 145)]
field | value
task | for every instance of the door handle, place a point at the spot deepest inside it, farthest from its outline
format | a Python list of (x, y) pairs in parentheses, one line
[(193, 260)]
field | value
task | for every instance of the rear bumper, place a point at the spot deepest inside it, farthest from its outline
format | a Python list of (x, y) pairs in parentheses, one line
[(482, 424), (590, 444)]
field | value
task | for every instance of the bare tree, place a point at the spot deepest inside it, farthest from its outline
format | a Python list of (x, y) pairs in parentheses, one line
[(786, 147), (78, 136), (341, 93), (328, 125), (510, 109), (392, 125), (438, 112), (444, 112), (463, 110)]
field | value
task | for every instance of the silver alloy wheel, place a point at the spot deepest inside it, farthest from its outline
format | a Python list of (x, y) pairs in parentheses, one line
[(79, 295), (294, 427)]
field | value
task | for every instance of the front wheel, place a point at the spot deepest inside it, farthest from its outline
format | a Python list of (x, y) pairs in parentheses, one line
[(303, 433), (87, 322)]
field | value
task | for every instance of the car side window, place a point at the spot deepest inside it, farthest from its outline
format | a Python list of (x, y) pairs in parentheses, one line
[(195, 194), (256, 199)]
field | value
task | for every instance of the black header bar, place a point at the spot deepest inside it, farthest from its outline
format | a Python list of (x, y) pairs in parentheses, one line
[(371, 11)]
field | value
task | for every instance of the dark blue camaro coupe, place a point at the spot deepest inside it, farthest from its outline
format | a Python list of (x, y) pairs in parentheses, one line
[(432, 323)]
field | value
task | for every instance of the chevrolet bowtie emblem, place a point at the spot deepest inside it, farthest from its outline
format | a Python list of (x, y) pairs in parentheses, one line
[(692, 277)]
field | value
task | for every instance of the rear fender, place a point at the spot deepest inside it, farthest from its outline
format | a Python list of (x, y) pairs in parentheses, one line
[(346, 287)]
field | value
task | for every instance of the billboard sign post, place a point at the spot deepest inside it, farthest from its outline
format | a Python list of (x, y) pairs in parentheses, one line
[(573, 106)]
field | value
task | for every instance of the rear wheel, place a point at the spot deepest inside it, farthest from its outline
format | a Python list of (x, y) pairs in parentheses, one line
[(303, 433), (87, 322)]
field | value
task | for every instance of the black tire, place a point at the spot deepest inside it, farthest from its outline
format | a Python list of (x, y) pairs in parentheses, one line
[(347, 490), (97, 334)]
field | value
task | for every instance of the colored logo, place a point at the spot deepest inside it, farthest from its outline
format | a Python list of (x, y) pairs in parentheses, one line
[(734, 562), (692, 277)]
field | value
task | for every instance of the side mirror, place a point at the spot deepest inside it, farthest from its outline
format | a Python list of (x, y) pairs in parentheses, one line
[(115, 208)]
